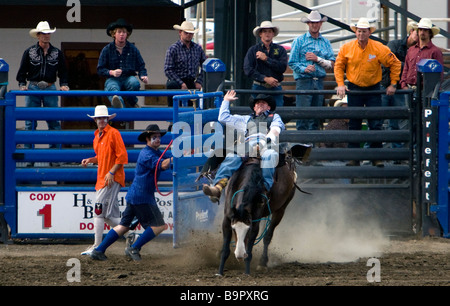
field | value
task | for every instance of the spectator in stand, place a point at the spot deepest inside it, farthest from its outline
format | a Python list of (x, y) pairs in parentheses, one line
[(311, 56), (360, 60), (266, 61), (184, 60), (424, 49), (399, 47), (119, 61), (41, 65), (337, 124)]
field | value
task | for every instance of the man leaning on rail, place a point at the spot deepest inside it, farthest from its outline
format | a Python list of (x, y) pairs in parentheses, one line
[(360, 60)]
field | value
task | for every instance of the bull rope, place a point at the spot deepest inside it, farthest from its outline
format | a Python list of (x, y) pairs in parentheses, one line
[(268, 219)]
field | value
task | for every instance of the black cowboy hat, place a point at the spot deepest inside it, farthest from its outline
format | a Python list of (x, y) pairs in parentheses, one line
[(119, 23), (268, 98), (151, 129)]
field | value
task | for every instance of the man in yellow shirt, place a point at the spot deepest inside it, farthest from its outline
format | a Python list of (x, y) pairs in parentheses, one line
[(360, 60)]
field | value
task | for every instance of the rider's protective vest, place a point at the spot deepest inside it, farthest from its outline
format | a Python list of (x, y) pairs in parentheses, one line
[(259, 124)]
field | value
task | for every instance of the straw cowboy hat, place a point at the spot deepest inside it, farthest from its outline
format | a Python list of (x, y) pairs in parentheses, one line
[(186, 26), (102, 111), (340, 102), (314, 16), (119, 23), (268, 98), (426, 23), (363, 23), (151, 129), (412, 25), (42, 27), (266, 25)]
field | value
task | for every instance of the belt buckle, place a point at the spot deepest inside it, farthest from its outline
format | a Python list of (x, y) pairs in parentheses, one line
[(42, 84)]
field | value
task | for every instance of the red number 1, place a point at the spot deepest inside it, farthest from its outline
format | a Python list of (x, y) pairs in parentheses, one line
[(47, 213)]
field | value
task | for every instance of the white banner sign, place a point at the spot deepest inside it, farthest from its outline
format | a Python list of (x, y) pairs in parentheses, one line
[(70, 212)]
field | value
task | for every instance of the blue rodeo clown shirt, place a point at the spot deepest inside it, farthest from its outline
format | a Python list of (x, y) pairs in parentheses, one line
[(142, 190)]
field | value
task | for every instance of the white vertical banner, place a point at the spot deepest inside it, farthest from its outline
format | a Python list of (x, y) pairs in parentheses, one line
[(71, 212)]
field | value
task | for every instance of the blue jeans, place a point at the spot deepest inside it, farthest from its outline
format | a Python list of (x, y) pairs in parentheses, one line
[(232, 162), (38, 101), (395, 100), (278, 98), (123, 83), (308, 101), (368, 101)]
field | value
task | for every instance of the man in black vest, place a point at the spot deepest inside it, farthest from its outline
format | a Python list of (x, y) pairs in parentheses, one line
[(261, 127)]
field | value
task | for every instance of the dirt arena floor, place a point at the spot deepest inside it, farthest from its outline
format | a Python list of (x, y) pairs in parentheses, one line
[(402, 262)]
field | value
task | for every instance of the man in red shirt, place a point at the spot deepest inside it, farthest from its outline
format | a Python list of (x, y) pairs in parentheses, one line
[(424, 49), (111, 155)]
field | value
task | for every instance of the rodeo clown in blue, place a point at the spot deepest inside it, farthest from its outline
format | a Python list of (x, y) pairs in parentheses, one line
[(263, 107), (141, 202)]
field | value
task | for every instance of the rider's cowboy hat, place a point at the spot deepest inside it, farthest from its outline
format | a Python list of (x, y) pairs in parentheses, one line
[(268, 98), (42, 27), (187, 27), (151, 129), (102, 111), (119, 23), (314, 16), (266, 25), (363, 23), (426, 23)]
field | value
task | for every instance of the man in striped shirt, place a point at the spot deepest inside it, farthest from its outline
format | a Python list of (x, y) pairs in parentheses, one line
[(183, 61), (360, 60), (311, 56)]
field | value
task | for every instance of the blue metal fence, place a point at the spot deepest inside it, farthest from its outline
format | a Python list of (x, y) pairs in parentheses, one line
[(184, 166), (441, 120)]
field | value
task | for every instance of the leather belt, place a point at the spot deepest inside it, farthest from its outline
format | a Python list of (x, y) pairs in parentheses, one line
[(42, 84), (262, 84)]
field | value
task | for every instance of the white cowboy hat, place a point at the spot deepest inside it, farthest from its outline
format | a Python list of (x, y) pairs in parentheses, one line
[(363, 23), (42, 27), (186, 26), (314, 16), (102, 111), (266, 25), (426, 23)]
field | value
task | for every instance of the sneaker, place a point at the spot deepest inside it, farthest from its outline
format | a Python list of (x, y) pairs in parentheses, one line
[(133, 253), (97, 255), (115, 102), (88, 250), (131, 238)]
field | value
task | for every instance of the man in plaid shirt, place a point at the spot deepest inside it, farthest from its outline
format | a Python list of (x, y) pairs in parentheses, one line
[(183, 61)]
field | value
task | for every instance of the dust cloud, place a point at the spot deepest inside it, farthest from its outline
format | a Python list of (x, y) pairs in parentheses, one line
[(325, 232)]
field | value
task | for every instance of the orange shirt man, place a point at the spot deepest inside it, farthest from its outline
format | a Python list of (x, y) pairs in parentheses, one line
[(110, 155), (360, 60)]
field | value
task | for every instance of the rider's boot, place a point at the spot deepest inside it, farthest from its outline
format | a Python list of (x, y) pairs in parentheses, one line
[(214, 192)]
